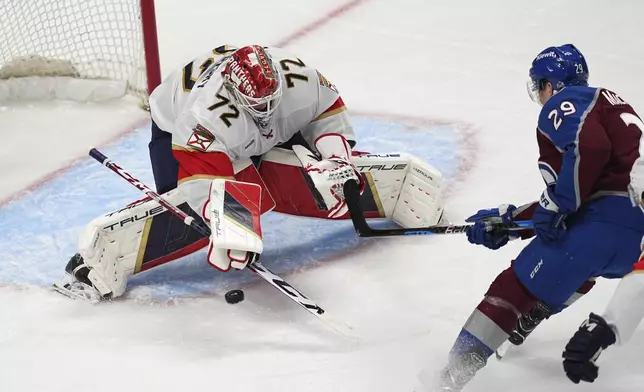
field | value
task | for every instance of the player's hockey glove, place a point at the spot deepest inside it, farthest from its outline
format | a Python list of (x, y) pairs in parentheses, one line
[(593, 336), (549, 223), (484, 231)]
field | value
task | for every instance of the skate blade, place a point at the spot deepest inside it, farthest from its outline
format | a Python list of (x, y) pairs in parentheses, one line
[(76, 290), (503, 350)]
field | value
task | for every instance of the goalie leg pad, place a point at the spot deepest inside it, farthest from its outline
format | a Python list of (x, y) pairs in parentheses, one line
[(385, 176), (419, 203), (245, 171), (292, 189), (133, 239)]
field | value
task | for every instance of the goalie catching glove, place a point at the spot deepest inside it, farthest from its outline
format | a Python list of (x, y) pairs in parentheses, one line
[(330, 173)]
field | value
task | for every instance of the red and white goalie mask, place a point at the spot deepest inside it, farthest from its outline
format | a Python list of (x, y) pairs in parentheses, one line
[(253, 80)]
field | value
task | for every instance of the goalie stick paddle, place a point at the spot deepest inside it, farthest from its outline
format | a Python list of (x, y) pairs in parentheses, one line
[(352, 197), (188, 220), (257, 267)]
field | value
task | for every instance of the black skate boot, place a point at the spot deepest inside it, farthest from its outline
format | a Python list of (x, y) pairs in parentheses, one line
[(76, 283), (524, 327), (528, 322)]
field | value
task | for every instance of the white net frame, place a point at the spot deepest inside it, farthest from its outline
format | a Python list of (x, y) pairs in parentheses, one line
[(81, 39)]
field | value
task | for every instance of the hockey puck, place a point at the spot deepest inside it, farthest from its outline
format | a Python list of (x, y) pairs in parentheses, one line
[(234, 296)]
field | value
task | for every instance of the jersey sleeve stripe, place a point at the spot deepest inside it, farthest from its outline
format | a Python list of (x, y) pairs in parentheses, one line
[(548, 174), (337, 107), (578, 157)]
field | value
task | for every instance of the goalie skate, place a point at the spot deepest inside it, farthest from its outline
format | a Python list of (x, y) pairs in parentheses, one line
[(74, 289), (76, 283)]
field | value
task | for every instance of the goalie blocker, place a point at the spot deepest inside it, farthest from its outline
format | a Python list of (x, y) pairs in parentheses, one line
[(143, 235)]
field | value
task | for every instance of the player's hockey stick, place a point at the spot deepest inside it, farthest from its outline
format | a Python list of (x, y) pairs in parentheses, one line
[(352, 197), (257, 267)]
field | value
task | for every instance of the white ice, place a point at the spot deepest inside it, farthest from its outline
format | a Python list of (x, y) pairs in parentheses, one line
[(425, 64)]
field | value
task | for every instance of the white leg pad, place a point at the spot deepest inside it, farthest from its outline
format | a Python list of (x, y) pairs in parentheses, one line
[(419, 203), (385, 174), (110, 244)]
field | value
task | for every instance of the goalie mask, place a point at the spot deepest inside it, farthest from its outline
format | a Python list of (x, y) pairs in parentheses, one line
[(254, 82)]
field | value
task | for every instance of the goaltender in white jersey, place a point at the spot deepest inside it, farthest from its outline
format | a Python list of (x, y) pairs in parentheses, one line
[(237, 133)]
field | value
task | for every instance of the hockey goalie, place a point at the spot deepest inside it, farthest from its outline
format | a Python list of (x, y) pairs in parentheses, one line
[(238, 132)]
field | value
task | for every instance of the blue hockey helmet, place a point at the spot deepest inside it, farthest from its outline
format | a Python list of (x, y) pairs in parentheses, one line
[(561, 66)]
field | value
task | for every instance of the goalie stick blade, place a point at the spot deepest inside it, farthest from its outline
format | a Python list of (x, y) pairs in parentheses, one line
[(283, 286), (362, 228), (299, 298)]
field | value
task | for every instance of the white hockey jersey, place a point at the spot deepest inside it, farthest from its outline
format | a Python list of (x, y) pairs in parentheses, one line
[(626, 308), (209, 132)]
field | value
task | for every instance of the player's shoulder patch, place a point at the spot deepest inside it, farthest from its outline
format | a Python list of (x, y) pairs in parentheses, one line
[(324, 82), (201, 138)]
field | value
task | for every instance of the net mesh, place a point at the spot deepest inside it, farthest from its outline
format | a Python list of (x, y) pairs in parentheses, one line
[(96, 39)]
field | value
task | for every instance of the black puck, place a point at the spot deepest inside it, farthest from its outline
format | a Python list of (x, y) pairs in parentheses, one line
[(234, 296)]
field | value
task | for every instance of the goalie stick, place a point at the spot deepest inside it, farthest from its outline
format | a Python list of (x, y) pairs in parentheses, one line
[(352, 197), (257, 267)]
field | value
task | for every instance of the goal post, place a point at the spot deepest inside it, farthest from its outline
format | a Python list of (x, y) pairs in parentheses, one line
[(150, 44), (83, 50)]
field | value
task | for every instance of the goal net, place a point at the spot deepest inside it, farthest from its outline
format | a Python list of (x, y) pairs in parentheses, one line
[(84, 50)]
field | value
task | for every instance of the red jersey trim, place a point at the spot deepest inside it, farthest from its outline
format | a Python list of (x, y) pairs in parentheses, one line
[(337, 107), (195, 165), (639, 265)]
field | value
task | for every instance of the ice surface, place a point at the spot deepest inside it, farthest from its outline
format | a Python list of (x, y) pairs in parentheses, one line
[(444, 80)]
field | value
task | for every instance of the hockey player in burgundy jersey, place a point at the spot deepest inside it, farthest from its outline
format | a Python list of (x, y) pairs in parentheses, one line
[(584, 222), (237, 132)]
